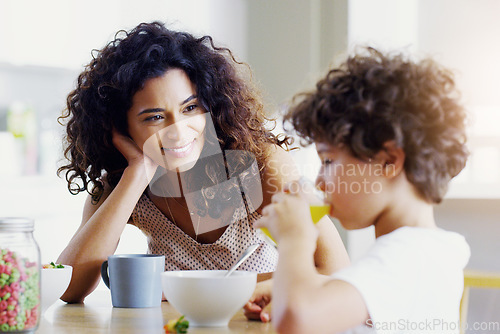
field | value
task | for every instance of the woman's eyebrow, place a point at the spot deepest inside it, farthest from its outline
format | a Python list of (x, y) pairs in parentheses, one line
[(150, 111), (188, 99), (154, 110)]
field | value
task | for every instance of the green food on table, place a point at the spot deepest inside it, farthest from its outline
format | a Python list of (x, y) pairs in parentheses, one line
[(52, 265), (177, 326)]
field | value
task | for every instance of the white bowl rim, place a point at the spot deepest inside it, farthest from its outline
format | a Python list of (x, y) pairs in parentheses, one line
[(212, 274)]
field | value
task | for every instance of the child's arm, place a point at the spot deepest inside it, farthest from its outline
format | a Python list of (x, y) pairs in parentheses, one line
[(306, 302), (280, 170), (259, 306), (303, 300)]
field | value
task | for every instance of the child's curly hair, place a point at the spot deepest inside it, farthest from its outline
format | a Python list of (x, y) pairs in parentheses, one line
[(374, 98), (105, 89)]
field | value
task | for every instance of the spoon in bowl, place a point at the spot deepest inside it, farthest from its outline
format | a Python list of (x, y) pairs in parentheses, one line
[(242, 258)]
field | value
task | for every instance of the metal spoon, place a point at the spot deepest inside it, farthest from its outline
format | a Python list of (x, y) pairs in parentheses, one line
[(243, 257)]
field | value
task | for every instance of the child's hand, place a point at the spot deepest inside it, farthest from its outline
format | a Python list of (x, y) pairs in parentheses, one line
[(259, 305), (289, 215)]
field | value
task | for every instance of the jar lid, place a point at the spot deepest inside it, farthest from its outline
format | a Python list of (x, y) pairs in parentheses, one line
[(16, 224)]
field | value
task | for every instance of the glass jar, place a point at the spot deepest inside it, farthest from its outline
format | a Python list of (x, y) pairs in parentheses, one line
[(19, 276)]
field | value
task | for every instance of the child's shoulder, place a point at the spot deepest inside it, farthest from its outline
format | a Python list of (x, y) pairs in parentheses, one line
[(410, 235), (422, 243), (423, 232), (411, 249)]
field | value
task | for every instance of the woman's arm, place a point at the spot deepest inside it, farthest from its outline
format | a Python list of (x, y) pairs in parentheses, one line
[(99, 233), (331, 254), (103, 222)]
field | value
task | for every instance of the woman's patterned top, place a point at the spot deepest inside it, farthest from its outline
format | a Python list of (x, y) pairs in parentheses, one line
[(184, 253)]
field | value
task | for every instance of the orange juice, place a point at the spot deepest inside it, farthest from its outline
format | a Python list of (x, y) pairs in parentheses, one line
[(317, 212)]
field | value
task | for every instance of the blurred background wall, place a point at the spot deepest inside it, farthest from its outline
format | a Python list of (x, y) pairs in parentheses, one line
[(288, 44)]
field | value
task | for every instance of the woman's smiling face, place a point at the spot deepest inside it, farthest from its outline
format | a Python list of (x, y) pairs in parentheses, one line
[(167, 122)]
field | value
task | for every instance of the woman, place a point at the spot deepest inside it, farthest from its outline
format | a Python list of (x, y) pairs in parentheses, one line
[(164, 133)]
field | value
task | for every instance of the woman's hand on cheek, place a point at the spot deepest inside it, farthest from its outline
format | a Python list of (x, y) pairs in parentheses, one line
[(134, 155)]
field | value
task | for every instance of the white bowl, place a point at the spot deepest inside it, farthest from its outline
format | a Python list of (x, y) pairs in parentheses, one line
[(54, 282), (205, 297)]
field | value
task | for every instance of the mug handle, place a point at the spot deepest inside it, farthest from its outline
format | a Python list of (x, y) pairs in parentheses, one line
[(104, 273)]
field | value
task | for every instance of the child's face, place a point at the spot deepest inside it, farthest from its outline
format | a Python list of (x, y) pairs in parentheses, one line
[(354, 188), (167, 122)]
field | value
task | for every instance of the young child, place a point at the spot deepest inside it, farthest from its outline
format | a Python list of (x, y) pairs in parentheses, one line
[(390, 134)]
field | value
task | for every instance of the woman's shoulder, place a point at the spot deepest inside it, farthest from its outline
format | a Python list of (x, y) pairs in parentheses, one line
[(279, 169), (280, 163)]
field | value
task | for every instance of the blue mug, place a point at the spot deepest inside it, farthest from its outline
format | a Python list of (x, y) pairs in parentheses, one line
[(134, 279)]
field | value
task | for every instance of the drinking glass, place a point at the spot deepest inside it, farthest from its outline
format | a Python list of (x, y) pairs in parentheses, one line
[(317, 205)]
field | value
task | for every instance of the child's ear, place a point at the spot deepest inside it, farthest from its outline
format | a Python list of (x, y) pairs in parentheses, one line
[(392, 159)]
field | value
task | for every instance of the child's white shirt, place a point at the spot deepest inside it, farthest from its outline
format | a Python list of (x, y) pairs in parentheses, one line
[(411, 281)]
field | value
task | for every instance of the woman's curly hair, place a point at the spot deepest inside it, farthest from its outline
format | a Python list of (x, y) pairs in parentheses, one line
[(373, 98), (105, 88)]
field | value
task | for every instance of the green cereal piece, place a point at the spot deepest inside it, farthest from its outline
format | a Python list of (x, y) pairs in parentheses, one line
[(4, 276), (20, 326), (30, 303), (13, 328), (6, 296), (4, 327)]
